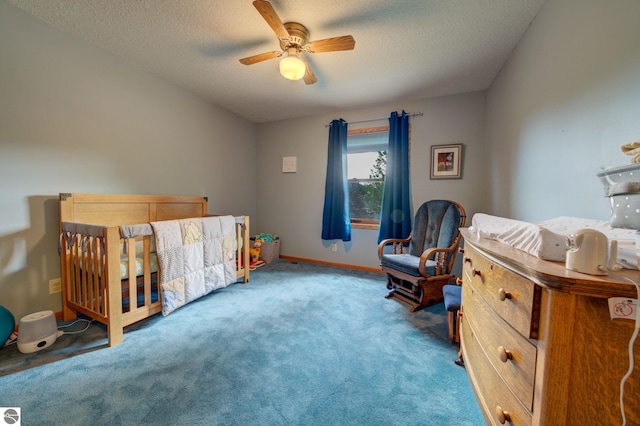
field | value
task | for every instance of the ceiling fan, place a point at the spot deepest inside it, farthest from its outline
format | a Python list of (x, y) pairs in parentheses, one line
[(294, 41)]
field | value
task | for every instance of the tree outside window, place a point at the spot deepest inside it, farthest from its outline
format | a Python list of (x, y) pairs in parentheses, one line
[(366, 167)]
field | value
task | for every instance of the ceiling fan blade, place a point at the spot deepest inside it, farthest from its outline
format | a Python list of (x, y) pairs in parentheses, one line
[(309, 77), (269, 14), (261, 57), (331, 44)]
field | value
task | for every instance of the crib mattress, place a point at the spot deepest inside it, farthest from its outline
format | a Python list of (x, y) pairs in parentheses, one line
[(124, 265), (547, 240)]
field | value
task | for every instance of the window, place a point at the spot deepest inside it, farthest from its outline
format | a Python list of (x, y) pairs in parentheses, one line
[(366, 167)]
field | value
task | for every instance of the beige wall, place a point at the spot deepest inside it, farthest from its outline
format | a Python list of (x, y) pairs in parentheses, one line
[(75, 119), (290, 205), (561, 107)]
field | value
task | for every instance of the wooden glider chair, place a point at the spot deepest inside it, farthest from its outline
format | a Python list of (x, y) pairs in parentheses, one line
[(421, 264)]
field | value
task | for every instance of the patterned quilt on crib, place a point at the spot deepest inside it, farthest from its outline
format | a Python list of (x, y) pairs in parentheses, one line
[(195, 257)]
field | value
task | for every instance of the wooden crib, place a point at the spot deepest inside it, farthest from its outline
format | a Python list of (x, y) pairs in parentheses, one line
[(92, 247)]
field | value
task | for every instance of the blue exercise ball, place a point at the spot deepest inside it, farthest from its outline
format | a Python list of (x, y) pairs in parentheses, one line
[(7, 324)]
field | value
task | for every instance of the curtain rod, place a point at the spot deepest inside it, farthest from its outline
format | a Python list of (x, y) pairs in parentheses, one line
[(417, 114)]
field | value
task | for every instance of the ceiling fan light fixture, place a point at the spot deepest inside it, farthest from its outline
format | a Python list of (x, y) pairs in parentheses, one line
[(294, 39), (292, 67)]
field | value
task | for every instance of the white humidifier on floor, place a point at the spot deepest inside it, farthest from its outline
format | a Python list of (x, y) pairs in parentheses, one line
[(37, 331)]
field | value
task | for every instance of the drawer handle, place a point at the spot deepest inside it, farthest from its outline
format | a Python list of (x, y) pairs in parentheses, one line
[(467, 260), (477, 273), (504, 354), (503, 295), (503, 416)]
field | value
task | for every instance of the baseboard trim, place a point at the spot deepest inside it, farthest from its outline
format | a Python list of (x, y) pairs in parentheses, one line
[(334, 264)]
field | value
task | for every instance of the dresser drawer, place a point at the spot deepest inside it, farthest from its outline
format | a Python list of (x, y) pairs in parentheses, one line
[(513, 297), (512, 355), (489, 387)]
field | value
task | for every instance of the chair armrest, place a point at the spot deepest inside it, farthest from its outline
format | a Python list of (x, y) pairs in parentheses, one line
[(440, 257), (398, 244)]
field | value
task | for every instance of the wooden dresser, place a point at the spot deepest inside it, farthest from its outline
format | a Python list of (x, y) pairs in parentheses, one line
[(538, 342)]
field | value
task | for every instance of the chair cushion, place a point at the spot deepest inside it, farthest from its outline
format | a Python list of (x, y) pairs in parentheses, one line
[(406, 263), (452, 297)]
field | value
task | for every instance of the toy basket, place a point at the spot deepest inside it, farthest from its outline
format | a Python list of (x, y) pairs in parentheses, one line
[(270, 251)]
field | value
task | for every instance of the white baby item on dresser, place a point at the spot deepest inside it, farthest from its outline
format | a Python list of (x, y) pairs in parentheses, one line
[(622, 187), (590, 252)]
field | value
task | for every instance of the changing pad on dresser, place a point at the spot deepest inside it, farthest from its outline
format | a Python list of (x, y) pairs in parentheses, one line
[(548, 240)]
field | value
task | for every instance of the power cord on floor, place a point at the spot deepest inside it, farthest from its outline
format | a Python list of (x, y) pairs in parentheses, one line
[(74, 332), (631, 344)]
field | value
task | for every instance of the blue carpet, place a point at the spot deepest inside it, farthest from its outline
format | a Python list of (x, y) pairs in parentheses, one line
[(299, 344)]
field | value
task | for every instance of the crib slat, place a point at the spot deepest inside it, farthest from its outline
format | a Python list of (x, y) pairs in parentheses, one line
[(84, 267), (239, 242), (86, 264), (146, 262), (131, 252), (93, 292), (95, 278), (87, 287), (78, 272), (88, 272), (97, 274)]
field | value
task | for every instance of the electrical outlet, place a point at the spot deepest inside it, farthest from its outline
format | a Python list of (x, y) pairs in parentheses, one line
[(334, 247), (55, 286)]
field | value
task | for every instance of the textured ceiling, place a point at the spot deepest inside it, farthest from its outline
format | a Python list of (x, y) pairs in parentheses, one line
[(404, 49)]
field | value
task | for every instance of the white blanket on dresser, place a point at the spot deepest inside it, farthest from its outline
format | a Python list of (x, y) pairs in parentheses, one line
[(548, 240), (195, 257), (528, 237)]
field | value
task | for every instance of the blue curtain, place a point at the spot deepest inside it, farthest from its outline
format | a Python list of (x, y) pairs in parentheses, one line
[(395, 217), (336, 224)]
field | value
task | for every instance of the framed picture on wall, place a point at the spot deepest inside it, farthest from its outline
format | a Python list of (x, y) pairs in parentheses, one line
[(446, 161)]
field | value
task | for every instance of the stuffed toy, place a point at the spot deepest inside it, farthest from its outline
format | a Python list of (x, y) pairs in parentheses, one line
[(254, 256), (254, 252)]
